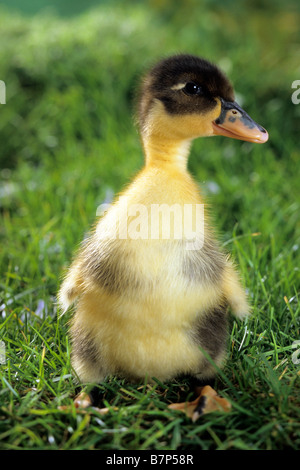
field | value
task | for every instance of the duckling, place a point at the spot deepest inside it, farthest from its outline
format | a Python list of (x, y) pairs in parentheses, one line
[(151, 285)]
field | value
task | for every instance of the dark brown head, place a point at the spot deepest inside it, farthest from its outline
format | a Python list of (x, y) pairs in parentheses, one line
[(185, 97)]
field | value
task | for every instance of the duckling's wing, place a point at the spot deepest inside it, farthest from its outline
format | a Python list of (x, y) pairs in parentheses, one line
[(71, 287)]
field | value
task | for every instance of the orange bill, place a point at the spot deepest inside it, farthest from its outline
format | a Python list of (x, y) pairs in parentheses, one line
[(234, 122)]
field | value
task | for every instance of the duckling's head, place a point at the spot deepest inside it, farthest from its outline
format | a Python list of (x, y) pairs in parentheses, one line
[(184, 97)]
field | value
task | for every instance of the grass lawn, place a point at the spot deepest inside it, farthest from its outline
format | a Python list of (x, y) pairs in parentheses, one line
[(68, 142)]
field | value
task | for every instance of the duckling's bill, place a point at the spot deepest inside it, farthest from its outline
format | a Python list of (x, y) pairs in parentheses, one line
[(234, 122)]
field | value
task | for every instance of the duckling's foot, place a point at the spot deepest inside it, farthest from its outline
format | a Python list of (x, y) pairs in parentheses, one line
[(84, 399), (207, 401)]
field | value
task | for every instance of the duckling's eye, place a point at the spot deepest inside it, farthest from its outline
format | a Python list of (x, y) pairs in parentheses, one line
[(192, 88)]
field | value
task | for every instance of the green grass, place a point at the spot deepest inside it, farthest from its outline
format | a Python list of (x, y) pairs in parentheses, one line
[(68, 141)]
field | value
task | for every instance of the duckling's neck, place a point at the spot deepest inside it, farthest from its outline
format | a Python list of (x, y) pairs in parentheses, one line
[(160, 151)]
